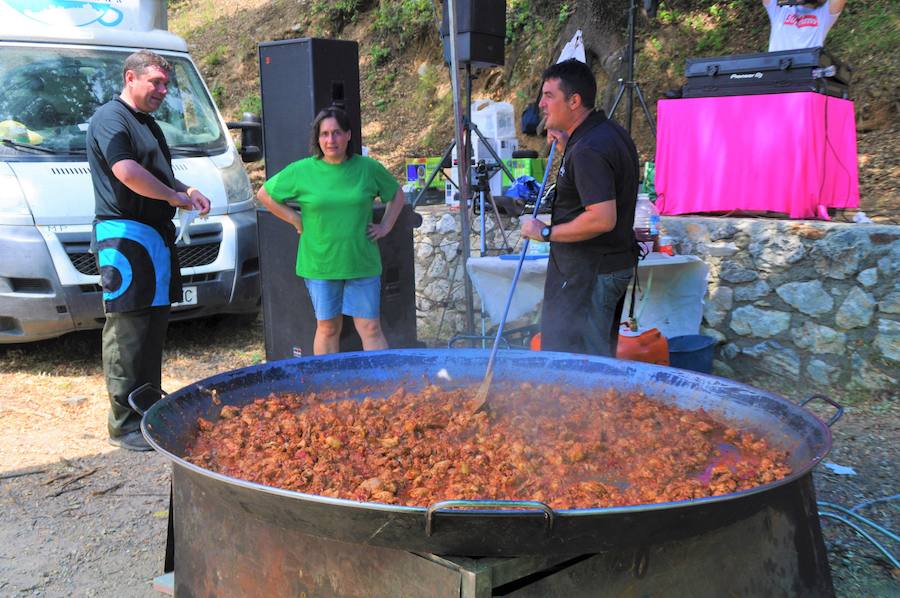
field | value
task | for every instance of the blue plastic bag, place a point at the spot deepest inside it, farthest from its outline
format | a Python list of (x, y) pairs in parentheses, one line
[(525, 187)]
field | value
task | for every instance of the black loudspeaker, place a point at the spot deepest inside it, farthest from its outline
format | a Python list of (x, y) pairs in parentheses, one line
[(298, 78), (288, 316), (481, 32)]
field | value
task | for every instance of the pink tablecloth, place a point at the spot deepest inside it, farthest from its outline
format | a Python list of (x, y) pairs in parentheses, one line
[(793, 153)]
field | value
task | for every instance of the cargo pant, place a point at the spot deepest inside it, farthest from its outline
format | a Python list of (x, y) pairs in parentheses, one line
[(132, 355)]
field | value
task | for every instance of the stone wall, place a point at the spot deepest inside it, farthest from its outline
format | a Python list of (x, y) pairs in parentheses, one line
[(796, 306), (440, 290)]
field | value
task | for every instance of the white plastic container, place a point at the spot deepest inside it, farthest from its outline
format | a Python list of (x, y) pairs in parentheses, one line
[(495, 120), (646, 222)]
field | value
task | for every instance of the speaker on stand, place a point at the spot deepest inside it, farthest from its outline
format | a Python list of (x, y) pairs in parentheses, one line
[(481, 32)]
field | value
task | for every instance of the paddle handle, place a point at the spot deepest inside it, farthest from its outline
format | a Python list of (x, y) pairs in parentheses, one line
[(515, 279)]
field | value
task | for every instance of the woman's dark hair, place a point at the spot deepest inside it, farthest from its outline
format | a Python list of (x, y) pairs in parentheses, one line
[(343, 122), (574, 77)]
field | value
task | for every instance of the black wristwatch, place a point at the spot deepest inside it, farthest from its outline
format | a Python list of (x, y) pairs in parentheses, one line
[(545, 232)]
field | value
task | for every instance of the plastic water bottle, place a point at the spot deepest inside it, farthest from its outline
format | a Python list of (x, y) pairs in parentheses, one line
[(646, 222)]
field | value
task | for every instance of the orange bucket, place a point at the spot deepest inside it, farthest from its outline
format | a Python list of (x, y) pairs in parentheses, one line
[(649, 346)]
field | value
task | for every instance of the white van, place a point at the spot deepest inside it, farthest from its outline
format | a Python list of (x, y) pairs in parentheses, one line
[(59, 61)]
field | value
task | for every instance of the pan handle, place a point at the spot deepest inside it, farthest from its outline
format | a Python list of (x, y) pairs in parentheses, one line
[(830, 401), (549, 514), (141, 406)]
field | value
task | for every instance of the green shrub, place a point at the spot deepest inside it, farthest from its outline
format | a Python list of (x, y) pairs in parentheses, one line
[(218, 93), (250, 103), (338, 12), (216, 57), (399, 22)]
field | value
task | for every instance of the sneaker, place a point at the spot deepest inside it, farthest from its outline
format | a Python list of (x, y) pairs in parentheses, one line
[(132, 441)]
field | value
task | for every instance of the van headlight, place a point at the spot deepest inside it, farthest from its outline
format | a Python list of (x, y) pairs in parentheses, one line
[(237, 184)]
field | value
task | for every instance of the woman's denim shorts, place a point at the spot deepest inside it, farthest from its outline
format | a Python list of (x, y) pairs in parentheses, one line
[(356, 297)]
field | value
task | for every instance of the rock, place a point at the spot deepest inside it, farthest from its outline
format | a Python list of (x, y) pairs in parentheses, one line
[(820, 373), (888, 339), (423, 304), (428, 226), (420, 274), (724, 229), (868, 277), (808, 231), (437, 290), (809, 298), (857, 309), (752, 292), (890, 264), (438, 267), (890, 304), (750, 320), (717, 249), (447, 224), (696, 232), (840, 253), (868, 377), (730, 351), (720, 368), (73, 400), (772, 253), (718, 305), (450, 250), (774, 358), (819, 339), (424, 250), (459, 294), (488, 224), (735, 273), (713, 333)]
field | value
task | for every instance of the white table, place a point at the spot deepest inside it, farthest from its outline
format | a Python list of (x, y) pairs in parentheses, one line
[(671, 296)]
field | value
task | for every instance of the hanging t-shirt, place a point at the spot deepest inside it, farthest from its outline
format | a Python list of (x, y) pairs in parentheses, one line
[(795, 27), (336, 206)]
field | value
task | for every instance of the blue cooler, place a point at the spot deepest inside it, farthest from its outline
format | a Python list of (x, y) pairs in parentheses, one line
[(692, 352)]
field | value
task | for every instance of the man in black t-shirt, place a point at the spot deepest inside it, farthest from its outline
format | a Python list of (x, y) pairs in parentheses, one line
[(136, 194), (592, 248)]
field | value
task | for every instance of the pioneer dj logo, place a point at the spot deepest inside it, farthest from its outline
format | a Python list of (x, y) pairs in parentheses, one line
[(756, 75), (801, 21)]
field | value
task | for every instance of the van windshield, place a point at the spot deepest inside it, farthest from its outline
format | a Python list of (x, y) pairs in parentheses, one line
[(48, 94)]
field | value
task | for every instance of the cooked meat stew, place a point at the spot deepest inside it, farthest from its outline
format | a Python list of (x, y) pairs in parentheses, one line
[(569, 448)]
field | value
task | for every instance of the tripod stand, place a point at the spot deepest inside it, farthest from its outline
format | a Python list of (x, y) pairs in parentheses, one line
[(628, 84), (482, 187)]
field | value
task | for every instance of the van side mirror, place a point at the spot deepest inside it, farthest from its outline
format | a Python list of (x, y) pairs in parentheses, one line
[(251, 136)]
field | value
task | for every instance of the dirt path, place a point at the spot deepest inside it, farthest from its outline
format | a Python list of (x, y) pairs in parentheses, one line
[(84, 519)]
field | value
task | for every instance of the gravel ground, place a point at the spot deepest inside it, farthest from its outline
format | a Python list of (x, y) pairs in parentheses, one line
[(81, 518)]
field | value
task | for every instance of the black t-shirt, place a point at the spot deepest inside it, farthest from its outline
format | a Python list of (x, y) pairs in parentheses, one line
[(600, 164), (115, 133)]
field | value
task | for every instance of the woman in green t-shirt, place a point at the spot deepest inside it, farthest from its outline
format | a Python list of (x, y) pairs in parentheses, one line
[(338, 255)]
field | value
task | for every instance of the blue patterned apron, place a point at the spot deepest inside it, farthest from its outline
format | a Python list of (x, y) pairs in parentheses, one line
[(136, 266)]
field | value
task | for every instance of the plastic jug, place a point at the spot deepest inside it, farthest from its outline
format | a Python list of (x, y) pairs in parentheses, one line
[(495, 120), (646, 222), (649, 346)]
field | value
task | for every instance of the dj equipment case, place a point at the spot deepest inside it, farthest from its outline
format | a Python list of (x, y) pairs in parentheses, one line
[(810, 69)]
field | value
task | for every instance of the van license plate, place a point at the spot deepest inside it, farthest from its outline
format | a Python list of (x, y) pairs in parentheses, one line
[(188, 297)]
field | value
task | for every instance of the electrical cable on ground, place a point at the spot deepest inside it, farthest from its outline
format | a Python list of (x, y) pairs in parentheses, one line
[(858, 529)]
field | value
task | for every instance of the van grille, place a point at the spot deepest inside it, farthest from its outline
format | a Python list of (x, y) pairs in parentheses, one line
[(74, 170), (189, 256)]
